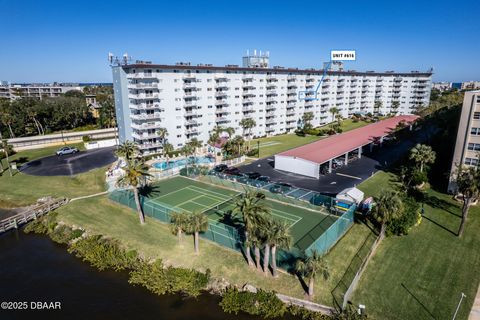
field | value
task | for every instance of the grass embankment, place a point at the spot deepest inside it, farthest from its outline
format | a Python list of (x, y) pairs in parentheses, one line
[(273, 145), (421, 275), (23, 189), (154, 240)]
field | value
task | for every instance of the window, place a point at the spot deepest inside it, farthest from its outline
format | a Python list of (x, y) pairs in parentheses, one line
[(474, 146), (476, 116), (471, 161), (475, 131)]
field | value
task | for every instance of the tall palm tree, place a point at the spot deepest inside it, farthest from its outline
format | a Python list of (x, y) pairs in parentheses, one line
[(188, 151), (279, 238), (334, 111), (251, 207), (162, 134), (388, 206), (313, 266), (135, 177), (376, 107), (307, 118), (422, 155), (238, 143), (197, 222), (127, 150), (195, 144), (179, 223), (167, 148), (395, 106), (247, 125), (6, 148), (468, 185)]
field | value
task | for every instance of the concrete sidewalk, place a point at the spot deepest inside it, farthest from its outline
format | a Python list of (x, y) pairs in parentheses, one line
[(475, 312)]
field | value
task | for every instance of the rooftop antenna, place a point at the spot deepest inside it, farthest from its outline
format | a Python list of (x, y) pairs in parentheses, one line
[(125, 58), (110, 57)]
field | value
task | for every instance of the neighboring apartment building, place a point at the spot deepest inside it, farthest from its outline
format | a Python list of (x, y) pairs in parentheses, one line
[(470, 85), (442, 86), (467, 145), (189, 101), (34, 90)]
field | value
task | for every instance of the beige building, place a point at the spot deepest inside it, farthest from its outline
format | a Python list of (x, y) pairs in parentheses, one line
[(467, 146)]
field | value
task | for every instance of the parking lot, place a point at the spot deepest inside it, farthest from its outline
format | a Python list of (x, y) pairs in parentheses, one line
[(342, 177)]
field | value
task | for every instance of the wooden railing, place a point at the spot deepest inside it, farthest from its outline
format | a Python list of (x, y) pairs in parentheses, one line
[(33, 213)]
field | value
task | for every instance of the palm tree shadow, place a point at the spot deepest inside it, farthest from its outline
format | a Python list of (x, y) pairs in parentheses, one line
[(440, 204), (150, 191), (439, 225), (302, 282), (418, 301)]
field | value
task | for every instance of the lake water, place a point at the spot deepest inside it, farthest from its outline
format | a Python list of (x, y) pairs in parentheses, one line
[(34, 268)]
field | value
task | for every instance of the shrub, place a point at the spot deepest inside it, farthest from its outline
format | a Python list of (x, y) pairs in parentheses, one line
[(419, 177), (306, 314), (104, 253), (263, 303), (160, 280), (313, 132), (86, 138), (10, 151), (322, 132), (64, 234), (300, 133), (252, 152), (43, 225), (410, 217)]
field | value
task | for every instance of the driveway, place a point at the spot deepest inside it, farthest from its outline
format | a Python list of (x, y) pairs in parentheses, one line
[(70, 165), (346, 176)]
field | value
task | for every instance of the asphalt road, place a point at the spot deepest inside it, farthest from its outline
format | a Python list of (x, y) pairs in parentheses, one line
[(70, 165), (344, 177)]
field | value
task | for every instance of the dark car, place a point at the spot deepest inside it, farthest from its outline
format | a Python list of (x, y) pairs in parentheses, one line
[(220, 168), (262, 181), (281, 187), (232, 171), (252, 175), (66, 150)]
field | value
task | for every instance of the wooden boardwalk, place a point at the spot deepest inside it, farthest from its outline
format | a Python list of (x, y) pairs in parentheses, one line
[(33, 213)]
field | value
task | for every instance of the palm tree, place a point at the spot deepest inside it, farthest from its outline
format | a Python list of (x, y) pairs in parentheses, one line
[(395, 106), (388, 206), (229, 130), (376, 107), (334, 111), (197, 222), (179, 223), (248, 124), (162, 134), (134, 177), (279, 238), (167, 148), (251, 207), (127, 150), (468, 185), (255, 241), (422, 155), (195, 144), (307, 117), (238, 143), (312, 266), (188, 151)]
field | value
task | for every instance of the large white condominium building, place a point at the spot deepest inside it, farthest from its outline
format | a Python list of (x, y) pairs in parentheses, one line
[(189, 101), (34, 90)]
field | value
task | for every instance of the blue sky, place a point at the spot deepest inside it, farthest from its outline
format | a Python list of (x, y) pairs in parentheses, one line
[(44, 41)]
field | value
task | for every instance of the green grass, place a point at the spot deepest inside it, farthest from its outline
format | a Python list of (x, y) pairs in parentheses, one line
[(99, 215), (421, 275), (22, 189), (280, 143)]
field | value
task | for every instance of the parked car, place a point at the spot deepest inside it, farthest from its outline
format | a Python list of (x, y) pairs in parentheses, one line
[(66, 150), (252, 175), (262, 181), (232, 171), (220, 168), (281, 187)]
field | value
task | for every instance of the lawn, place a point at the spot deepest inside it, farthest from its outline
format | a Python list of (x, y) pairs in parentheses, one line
[(421, 275), (22, 189), (273, 145), (154, 240)]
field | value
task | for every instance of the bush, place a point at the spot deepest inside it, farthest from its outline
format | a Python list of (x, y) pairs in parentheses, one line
[(10, 152), (313, 132), (194, 171), (322, 132), (43, 225), (64, 234), (104, 253), (306, 314), (160, 280), (263, 303), (419, 178), (86, 138), (300, 133), (252, 152), (410, 217)]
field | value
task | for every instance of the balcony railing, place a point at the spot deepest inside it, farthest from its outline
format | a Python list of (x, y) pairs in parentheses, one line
[(146, 126), (145, 116)]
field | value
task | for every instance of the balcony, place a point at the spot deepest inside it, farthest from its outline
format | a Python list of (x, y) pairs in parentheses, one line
[(270, 107), (247, 78), (221, 102), (271, 93), (146, 126), (270, 121), (189, 103), (190, 94), (142, 96), (144, 135), (144, 106), (145, 116), (222, 111), (143, 146), (247, 101), (191, 122), (271, 100), (189, 77), (192, 131), (290, 112), (222, 120), (191, 113), (141, 75), (248, 109), (291, 106), (221, 86), (145, 85), (271, 78), (270, 114), (220, 94), (189, 86)]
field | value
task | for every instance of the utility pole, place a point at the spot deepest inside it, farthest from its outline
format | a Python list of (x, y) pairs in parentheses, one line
[(458, 306)]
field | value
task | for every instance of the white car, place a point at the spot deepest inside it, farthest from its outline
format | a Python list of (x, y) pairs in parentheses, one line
[(66, 150)]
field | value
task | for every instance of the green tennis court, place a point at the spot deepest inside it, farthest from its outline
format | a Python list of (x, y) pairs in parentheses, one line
[(183, 194)]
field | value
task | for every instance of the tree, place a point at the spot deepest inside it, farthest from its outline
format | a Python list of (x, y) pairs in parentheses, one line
[(197, 222), (127, 150), (238, 143), (468, 185), (247, 125), (376, 107), (5, 147), (75, 94), (334, 111), (135, 176), (307, 118), (179, 222), (395, 106), (167, 148), (422, 154), (188, 151), (279, 238), (311, 267), (162, 134), (388, 206), (251, 207)]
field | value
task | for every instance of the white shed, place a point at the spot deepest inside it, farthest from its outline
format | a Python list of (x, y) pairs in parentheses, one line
[(297, 165), (351, 194)]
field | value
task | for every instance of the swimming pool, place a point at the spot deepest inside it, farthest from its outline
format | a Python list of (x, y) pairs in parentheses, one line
[(164, 165)]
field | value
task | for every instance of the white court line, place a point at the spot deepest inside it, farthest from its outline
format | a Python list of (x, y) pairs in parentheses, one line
[(348, 176), (189, 200), (209, 192), (164, 195)]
